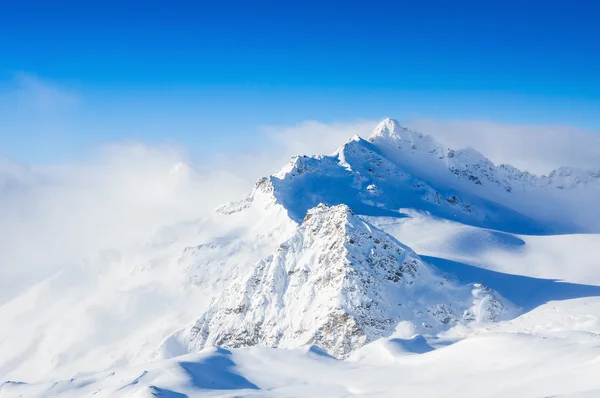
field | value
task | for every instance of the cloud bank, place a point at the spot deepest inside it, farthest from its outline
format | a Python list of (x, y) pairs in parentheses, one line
[(535, 148), (53, 215), (121, 193)]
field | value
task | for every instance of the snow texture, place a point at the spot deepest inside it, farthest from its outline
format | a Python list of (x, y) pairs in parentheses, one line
[(338, 283)]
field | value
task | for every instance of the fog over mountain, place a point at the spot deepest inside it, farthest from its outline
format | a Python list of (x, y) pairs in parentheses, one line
[(396, 265)]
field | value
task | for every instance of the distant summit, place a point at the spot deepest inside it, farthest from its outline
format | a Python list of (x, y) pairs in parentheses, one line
[(398, 168)]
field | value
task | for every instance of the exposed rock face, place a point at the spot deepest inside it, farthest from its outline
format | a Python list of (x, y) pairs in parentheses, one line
[(338, 283)]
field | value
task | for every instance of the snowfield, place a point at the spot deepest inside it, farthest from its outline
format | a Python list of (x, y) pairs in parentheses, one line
[(393, 267), (551, 352)]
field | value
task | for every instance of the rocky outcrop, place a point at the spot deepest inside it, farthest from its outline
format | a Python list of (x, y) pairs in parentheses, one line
[(338, 283)]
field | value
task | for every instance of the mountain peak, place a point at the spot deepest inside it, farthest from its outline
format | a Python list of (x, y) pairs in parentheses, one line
[(321, 209), (390, 131), (388, 128), (338, 282)]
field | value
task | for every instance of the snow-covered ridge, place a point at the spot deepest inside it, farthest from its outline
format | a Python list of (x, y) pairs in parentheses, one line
[(472, 165), (338, 283), (398, 168), (262, 189)]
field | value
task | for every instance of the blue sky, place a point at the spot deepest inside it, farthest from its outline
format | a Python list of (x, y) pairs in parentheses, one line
[(209, 74)]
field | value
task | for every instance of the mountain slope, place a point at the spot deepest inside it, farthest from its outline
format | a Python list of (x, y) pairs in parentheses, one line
[(114, 309), (405, 145), (400, 169), (338, 283), (359, 176)]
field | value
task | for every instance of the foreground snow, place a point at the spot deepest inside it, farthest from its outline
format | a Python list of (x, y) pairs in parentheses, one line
[(552, 351)]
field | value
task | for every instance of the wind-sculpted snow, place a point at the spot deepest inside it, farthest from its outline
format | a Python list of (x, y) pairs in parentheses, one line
[(338, 283)]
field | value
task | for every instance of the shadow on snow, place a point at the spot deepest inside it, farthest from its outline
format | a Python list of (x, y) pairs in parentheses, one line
[(524, 291), (216, 373)]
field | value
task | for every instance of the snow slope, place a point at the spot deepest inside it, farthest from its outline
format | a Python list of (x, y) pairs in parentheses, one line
[(339, 283), (409, 259), (116, 308), (541, 354), (398, 168)]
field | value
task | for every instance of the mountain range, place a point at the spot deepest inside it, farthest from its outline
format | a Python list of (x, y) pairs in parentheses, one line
[(393, 254)]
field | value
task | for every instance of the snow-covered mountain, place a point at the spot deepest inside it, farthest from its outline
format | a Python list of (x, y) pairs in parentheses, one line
[(397, 168), (393, 245), (339, 283)]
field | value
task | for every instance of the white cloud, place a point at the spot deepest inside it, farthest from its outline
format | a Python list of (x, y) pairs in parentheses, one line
[(52, 215), (42, 96), (280, 143), (37, 112), (316, 138), (536, 148)]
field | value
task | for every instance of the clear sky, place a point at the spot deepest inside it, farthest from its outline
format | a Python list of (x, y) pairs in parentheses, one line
[(208, 74)]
